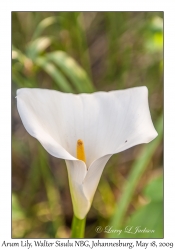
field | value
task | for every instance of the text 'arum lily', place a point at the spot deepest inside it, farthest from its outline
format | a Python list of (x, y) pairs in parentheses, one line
[(100, 124)]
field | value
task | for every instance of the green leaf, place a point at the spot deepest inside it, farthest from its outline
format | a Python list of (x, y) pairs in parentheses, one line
[(134, 177), (154, 190), (148, 217), (43, 25), (37, 46), (54, 73), (17, 212), (21, 81), (72, 70), (52, 192), (18, 55)]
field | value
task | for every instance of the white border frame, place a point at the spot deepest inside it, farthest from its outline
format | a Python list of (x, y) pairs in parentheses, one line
[(5, 100)]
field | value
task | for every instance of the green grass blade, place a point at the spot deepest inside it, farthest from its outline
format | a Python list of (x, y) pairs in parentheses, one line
[(21, 81), (37, 46), (72, 70), (136, 172), (21, 64), (138, 221), (79, 36), (17, 211), (43, 25), (52, 192), (18, 55), (54, 73)]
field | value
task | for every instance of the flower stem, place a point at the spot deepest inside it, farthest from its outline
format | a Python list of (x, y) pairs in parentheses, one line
[(78, 227)]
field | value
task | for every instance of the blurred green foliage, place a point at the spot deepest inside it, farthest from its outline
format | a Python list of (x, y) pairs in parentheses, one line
[(86, 52)]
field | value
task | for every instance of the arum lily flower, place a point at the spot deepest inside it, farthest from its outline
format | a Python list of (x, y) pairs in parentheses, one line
[(86, 130)]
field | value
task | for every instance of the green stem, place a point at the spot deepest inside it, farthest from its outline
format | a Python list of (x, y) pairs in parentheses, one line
[(78, 227)]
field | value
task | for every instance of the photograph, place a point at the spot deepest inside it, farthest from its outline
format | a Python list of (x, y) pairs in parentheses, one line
[(87, 125)]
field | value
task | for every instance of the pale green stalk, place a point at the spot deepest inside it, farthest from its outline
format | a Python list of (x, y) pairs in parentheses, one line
[(78, 228)]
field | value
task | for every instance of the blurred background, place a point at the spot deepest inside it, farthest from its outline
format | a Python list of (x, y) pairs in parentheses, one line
[(86, 52)]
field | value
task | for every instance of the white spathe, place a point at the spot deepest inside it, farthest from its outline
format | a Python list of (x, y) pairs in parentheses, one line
[(107, 122)]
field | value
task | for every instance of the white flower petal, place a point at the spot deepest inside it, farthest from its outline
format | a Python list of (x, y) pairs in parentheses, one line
[(38, 113), (76, 174), (93, 175), (116, 121), (107, 122), (82, 193)]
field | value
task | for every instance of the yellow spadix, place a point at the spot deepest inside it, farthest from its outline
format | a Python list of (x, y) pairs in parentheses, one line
[(80, 151)]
